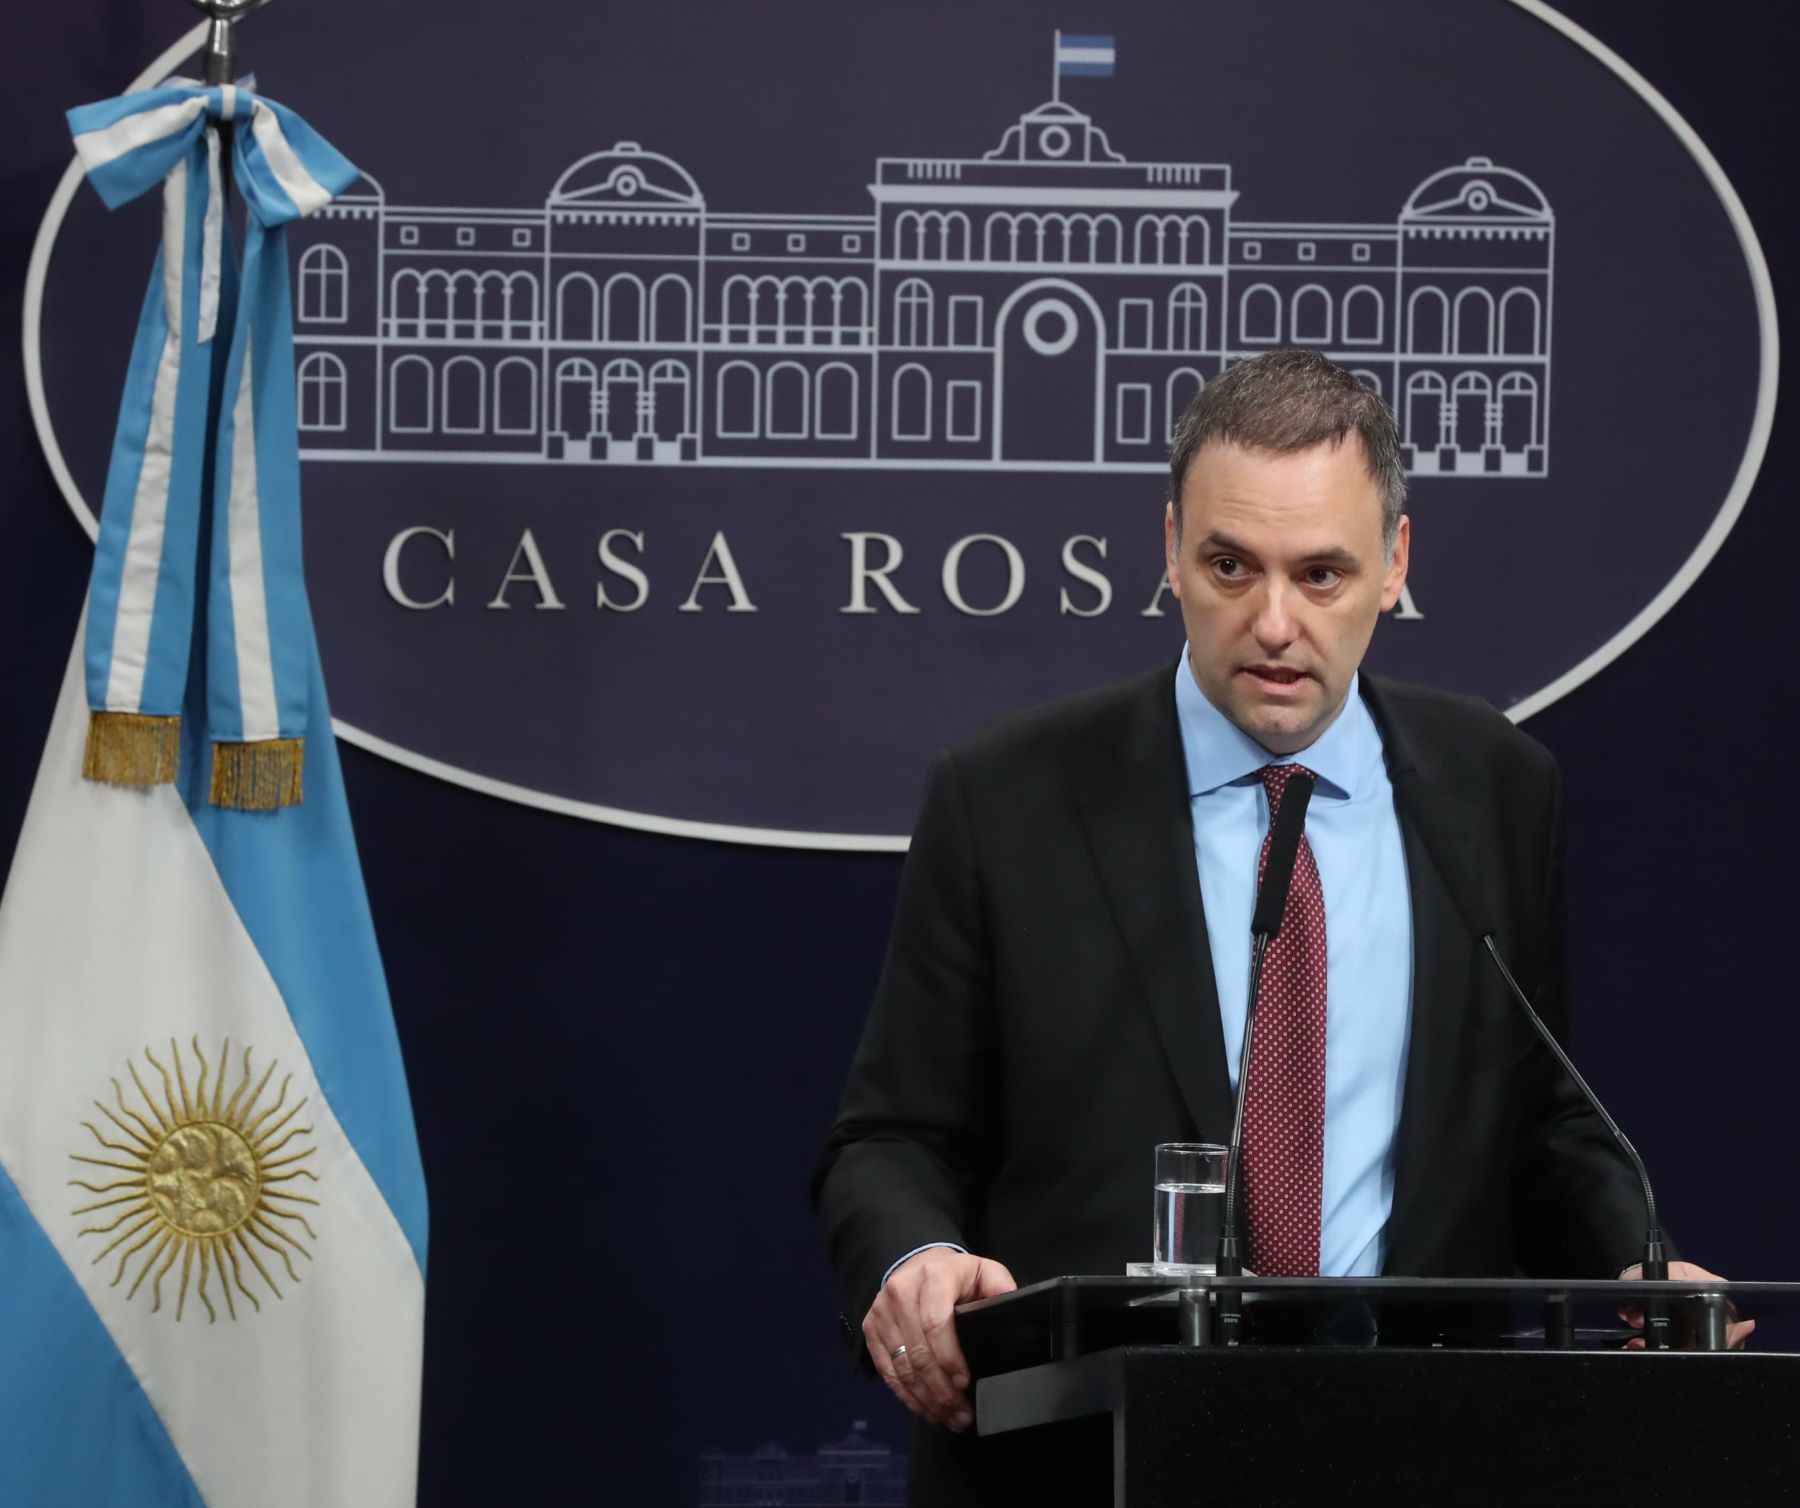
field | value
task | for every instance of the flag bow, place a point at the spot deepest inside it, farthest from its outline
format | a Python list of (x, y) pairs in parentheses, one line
[(206, 442)]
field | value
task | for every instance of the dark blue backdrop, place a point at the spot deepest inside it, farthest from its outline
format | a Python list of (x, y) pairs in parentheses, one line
[(623, 1048)]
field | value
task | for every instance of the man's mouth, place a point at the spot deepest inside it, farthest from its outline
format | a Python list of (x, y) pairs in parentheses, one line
[(1275, 677)]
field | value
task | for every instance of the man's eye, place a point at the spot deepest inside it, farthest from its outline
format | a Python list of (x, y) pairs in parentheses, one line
[(1228, 567), (1322, 576)]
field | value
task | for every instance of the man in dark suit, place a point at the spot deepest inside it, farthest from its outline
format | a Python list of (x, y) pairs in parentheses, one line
[(1065, 983)]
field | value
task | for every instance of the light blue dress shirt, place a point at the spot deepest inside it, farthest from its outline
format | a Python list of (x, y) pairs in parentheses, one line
[(1355, 838)]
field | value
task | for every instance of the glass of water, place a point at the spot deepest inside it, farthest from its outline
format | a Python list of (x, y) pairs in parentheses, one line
[(1190, 1201)]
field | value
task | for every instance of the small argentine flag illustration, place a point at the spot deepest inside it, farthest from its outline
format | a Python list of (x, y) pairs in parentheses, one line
[(1083, 56)]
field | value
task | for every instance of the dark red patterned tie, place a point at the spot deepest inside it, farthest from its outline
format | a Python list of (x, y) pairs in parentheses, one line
[(1284, 1111)]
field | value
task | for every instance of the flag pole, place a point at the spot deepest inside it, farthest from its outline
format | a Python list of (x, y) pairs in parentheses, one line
[(221, 50), (1056, 69), (221, 67)]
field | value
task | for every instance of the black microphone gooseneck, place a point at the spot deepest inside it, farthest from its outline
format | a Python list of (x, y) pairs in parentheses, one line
[(1265, 923), (1656, 1260)]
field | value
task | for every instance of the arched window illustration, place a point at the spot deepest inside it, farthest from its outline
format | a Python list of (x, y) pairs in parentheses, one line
[(1095, 238), (409, 396), (1180, 390), (1259, 314), (1518, 397), (577, 382), (624, 310), (1427, 411), (577, 308), (910, 418), (1000, 238), (515, 396), (671, 400), (1187, 318), (765, 309), (519, 306), (795, 312), (435, 320), (740, 309), (324, 285), (1029, 240), (1428, 322), (853, 312), (406, 303), (622, 399), (1474, 322), (493, 300), (909, 236), (787, 403), (1311, 322), (464, 320), (1362, 316), (1173, 240), (912, 313), (322, 386), (1196, 241), (737, 406), (671, 311), (1521, 324), (1471, 399), (1054, 239), (835, 402), (931, 235), (465, 396)]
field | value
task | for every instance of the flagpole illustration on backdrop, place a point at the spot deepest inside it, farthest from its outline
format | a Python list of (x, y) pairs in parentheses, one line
[(212, 1212)]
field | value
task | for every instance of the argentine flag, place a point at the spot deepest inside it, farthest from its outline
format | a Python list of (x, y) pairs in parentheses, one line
[(1081, 55), (212, 1214)]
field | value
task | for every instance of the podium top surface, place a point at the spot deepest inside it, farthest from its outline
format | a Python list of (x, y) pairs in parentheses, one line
[(1097, 1291), (1064, 1317)]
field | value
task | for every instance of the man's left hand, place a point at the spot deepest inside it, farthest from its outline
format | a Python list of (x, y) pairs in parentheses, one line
[(1736, 1332)]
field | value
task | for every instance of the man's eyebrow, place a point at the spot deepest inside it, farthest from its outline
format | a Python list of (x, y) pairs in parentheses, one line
[(1334, 555), (1218, 541)]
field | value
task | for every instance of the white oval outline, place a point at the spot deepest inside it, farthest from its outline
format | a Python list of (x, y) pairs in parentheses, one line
[(1034, 339), (1762, 423)]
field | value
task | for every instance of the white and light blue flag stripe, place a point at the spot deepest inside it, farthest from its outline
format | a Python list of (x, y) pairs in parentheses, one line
[(1082, 54), (142, 602), (212, 1211)]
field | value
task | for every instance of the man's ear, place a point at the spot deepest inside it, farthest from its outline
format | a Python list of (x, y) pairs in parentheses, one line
[(1395, 577), (1170, 563)]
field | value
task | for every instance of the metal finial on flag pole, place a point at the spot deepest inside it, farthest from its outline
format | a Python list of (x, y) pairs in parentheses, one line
[(221, 52)]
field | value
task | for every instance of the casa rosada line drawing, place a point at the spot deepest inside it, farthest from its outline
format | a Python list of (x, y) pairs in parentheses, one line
[(1048, 304)]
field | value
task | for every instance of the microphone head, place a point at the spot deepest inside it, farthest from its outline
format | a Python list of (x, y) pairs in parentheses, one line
[(1284, 848)]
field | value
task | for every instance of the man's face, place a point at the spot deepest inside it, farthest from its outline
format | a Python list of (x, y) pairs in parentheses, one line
[(1281, 575)]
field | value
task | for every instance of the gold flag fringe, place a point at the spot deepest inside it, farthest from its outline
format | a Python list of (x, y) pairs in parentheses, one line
[(258, 777), (130, 748)]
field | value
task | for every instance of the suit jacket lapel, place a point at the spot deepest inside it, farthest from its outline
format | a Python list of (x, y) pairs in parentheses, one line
[(1433, 821), (1135, 812)]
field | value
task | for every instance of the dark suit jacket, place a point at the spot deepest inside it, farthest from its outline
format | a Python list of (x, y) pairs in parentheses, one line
[(1048, 1011)]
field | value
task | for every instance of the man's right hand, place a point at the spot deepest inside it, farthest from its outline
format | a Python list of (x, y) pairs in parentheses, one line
[(916, 1310)]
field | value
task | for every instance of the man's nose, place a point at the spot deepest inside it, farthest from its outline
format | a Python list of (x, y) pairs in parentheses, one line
[(1274, 625)]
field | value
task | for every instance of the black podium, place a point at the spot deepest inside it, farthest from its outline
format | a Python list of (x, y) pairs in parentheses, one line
[(1391, 1391)]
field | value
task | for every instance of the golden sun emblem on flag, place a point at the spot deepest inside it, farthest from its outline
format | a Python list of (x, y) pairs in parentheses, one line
[(205, 1181)]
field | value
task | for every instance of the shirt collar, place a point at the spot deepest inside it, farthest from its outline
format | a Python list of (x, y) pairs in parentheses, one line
[(1345, 757)]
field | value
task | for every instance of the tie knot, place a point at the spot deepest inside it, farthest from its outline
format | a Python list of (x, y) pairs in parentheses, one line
[(1275, 778)]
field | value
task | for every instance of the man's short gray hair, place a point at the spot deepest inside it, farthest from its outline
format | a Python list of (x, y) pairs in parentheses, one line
[(1285, 401)]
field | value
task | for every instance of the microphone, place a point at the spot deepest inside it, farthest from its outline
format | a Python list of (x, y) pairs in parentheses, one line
[(1655, 1261), (1265, 924)]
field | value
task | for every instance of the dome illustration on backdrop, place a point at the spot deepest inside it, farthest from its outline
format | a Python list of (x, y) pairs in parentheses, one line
[(626, 173)]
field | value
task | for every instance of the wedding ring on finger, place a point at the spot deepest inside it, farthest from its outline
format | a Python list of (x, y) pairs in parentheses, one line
[(897, 1352)]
